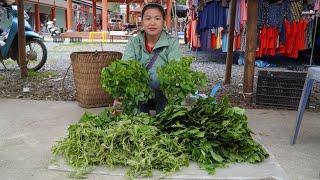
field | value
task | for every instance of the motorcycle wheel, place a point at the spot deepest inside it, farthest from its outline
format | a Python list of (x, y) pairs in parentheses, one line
[(36, 54)]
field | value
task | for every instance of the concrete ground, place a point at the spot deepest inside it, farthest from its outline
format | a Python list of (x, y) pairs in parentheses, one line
[(29, 128)]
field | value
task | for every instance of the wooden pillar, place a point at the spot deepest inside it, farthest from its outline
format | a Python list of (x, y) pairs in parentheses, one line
[(105, 15), (69, 15), (22, 39), (251, 47), (128, 13), (229, 61), (53, 11), (37, 17), (168, 16), (66, 18), (94, 15)]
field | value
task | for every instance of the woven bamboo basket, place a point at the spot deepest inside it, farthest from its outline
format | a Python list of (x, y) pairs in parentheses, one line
[(86, 67)]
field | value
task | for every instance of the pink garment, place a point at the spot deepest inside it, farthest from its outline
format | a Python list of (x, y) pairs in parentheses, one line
[(243, 11), (317, 5), (195, 40)]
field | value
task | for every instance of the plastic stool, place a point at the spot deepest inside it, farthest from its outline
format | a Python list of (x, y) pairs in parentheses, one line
[(313, 75)]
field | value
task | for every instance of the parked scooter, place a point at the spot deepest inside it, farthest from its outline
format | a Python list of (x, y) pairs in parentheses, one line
[(53, 29), (36, 51)]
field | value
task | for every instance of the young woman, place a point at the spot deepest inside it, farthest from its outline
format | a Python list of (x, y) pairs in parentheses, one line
[(153, 47)]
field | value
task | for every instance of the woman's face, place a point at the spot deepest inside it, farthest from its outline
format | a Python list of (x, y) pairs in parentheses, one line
[(152, 22)]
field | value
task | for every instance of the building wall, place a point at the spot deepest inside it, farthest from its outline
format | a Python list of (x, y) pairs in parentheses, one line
[(61, 19)]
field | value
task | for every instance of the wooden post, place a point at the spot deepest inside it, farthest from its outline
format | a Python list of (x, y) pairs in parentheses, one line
[(94, 15), (128, 13), (69, 15), (22, 39), (37, 17), (168, 15), (229, 60), (53, 11), (251, 47), (105, 15)]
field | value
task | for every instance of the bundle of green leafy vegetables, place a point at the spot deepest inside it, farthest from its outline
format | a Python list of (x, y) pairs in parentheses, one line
[(122, 140), (128, 80), (212, 133), (177, 80), (215, 134)]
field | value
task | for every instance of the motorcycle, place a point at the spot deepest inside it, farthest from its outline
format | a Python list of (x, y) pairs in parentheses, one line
[(36, 51), (53, 29)]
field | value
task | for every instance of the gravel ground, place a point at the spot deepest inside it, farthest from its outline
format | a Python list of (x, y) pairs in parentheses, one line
[(58, 84)]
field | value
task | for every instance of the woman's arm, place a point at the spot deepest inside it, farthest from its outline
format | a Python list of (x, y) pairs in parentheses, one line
[(174, 50), (129, 52)]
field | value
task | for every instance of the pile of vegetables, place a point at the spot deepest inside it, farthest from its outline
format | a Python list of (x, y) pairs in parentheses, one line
[(177, 80), (128, 80), (121, 140), (214, 134)]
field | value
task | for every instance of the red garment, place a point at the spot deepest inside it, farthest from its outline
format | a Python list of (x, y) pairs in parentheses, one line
[(148, 48), (238, 42), (295, 38), (268, 41), (213, 41)]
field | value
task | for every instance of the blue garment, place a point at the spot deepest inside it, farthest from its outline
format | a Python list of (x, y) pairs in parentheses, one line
[(212, 15), (225, 42), (237, 20), (205, 40)]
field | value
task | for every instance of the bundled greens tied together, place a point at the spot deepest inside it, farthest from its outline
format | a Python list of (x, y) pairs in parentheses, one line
[(177, 80), (215, 134), (212, 133), (128, 80), (120, 141)]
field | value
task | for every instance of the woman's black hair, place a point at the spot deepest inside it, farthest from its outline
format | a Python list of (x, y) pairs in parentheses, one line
[(153, 5)]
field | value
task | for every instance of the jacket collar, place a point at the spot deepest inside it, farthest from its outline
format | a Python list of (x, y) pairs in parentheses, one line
[(162, 42)]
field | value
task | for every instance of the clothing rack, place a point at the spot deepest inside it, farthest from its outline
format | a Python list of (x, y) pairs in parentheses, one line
[(315, 32)]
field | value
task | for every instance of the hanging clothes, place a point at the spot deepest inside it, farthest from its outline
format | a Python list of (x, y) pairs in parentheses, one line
[(212, 15), (316, 5), (195, 41), (224, 47), (238, 17), (296, 9), (213, 41), (243, 12), (268, 41)]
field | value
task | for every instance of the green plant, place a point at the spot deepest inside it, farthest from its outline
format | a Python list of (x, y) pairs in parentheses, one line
[(128, 80), (122, 140), (2, 77), (214, 134), (42, 74), (177, 80)]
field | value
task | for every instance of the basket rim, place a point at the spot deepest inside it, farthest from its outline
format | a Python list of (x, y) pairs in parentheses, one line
[(90, 52)]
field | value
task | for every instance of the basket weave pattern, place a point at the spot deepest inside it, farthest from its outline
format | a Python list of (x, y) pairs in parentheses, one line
[(87, 68)]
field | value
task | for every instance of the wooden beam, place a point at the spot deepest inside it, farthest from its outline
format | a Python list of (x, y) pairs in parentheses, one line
[(251, 47), (22, 39), (94, 15), (229, 60)]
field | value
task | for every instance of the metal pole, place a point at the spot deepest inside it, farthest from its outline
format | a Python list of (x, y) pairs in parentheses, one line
[(314, 40), (22, 39), (230, 42), (251, 46)]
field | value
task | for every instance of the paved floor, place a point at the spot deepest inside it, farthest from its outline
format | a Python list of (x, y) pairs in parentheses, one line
[(29, 128)]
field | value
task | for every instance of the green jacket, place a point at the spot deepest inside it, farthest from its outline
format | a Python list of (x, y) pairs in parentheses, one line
[(167, 48)]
